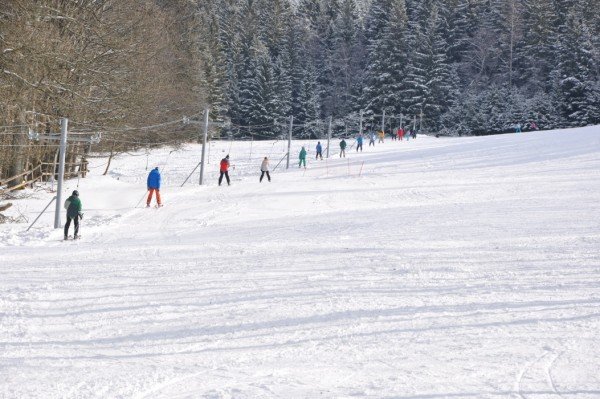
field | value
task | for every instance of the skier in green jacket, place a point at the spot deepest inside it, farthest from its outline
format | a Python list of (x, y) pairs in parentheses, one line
[(302, 158), (73, 207), (343, 148)]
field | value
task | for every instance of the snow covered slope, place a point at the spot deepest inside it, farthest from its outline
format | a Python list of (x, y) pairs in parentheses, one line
[(462, 268)]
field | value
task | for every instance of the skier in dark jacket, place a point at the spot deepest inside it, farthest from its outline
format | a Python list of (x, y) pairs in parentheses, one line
[(153, 184), (73, 207), (343, 148), (319, 150)]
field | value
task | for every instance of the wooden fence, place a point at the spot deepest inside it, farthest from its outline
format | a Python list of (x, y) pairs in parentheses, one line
[(44, 171)]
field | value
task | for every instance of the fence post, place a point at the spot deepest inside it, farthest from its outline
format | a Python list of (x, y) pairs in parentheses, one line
[(287, 166), (383, 121), (204, 145), (64, 125)]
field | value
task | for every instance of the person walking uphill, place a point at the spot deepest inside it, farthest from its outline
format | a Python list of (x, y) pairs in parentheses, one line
[(343, 148), (302, 157), (224, 170), (359, 142), (73, 207), (319, 150), (264, 168), (153, 184)]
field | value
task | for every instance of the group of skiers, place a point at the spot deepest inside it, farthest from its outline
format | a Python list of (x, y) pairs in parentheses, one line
[(153, 183), (532, 126)]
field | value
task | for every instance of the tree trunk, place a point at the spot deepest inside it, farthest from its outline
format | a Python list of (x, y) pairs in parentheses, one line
[(19, 142)]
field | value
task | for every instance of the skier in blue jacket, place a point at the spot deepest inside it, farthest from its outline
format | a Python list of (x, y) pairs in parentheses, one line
[(319, 150), (359, 142), (154, 186)]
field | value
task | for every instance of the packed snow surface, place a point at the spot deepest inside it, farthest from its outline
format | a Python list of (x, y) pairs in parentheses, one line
[(435, 268)]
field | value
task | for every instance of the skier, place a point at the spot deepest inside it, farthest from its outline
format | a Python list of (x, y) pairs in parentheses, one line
[(393, 135), (302, 158), (343, 148), (400, 134), (153, 184), (264, 168), (359, 142), (381, 136), (408, 134), (372, 139), (533, 126), (414, 134), (224, 170), (319, 150), (518, 128), (73, 207)]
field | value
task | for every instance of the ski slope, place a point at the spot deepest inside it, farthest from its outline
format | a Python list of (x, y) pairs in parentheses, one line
[(437, 268)]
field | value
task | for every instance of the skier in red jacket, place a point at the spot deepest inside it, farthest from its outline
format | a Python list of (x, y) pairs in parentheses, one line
[(400, 134), (224, 170)]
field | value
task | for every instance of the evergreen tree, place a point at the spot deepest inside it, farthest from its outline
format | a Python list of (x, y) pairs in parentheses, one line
[(386, 35), (576, 74)]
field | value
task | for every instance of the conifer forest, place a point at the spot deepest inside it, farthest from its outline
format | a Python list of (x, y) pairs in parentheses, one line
[(457, 66)]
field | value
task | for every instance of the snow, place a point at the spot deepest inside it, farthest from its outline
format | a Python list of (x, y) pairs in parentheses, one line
[(450, 268)]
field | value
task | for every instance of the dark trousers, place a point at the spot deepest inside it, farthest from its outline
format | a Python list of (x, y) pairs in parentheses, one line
[(319, 154), (226, 174), (359, 147), (68, 224), (263, 175), (343, 152)]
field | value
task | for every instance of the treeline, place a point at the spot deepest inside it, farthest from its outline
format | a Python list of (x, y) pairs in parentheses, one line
[(466, 66), (469, 66), (104, 64)]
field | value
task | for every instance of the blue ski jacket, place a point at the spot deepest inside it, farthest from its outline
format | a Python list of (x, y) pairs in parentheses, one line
[(319, 148), (154, 179)]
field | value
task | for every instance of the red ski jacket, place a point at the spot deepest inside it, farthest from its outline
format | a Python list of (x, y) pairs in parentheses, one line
[(224, 165)]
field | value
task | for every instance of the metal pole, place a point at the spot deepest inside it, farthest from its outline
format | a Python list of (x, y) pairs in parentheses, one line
[(287, 165), (251, 142), (421, 121), (414, 123), (329, 135), (383, 121), (41, 213), (64, 125), (204, 146), (402, 121), (361, 123)]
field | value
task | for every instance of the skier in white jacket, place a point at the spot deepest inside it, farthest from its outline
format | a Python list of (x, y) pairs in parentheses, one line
[(264, 168)]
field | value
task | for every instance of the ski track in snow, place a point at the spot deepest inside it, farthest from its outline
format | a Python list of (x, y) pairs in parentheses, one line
[(452, 268)]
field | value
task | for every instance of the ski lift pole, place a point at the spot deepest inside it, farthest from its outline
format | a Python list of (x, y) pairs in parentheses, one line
[(360, 127), (329, 135), (287, 166), (64, 125), (204, 146)]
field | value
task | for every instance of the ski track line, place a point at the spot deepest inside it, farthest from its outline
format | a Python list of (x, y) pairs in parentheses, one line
[(170, 382), (549, 373), (523, 371), (547, 368)]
